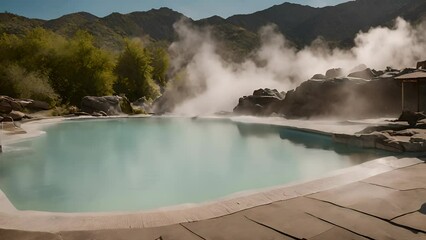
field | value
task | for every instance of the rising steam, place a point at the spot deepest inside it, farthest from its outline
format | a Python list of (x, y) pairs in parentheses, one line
[(284, 67)]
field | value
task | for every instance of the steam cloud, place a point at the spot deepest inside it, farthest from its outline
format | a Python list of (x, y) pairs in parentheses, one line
[(284, 67)]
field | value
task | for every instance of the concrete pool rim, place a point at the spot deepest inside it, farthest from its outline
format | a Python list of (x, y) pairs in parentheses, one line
[(11, 218)]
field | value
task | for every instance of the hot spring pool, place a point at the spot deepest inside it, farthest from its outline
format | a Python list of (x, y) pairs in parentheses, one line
[(142, 164)]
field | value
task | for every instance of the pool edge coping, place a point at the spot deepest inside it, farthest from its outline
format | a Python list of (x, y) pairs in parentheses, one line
[(11, 218)]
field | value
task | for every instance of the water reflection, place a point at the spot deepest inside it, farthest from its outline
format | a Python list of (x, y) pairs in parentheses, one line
[(310, 140)]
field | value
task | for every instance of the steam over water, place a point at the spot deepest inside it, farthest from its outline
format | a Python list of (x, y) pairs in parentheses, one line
[(284, 66)]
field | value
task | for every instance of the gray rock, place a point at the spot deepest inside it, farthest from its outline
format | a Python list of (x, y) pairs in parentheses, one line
[(390, 146), (37, 105), (364, 74), (8, 104), (406, 132), (16, 106), (263, 102), (17, 116), (364, 140), (81, 114), (319, 77), (334, 73), (414, 146), (411, 117), (343, 97), (143, 104), (5, 107), (96, 114), (107, 104)]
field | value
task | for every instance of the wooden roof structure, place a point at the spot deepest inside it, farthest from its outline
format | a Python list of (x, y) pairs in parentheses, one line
[(417, 77)]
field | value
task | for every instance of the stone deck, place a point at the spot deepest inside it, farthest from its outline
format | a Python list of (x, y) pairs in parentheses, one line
[(391, 205)]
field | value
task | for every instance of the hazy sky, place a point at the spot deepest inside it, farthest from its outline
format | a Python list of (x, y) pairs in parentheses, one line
[(196, 9)]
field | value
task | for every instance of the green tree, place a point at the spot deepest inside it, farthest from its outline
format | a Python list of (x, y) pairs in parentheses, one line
[(17, 82), (134, 72), (81, 69), (33, 51), (9, 46), (160, 62)]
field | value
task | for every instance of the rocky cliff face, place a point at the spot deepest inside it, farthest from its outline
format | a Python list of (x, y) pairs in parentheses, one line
[(343, 97), (338, 97)]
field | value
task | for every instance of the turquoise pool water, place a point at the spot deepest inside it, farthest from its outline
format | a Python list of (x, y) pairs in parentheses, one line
[(141, 164)]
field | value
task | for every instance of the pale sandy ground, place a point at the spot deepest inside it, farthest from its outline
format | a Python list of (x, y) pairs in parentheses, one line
[(381, 199)]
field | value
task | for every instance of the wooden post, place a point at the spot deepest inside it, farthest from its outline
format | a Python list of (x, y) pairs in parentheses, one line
[(402, 95), (418, 96)]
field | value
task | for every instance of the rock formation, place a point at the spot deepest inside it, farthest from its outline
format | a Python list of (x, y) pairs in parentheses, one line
[(367, 74), (263, 102), (111, 105), (406, 140), (334, 73), (411, 117), (343, 97), (13, 109), (365, 93)]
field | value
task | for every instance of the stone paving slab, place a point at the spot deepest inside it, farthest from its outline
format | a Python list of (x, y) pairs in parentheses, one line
[(175, 232), (379, 201), (338, 233), (412, 177), (356, 222), (414, 220), (6, 234), (359, 223), (233, 227), (288, 220)]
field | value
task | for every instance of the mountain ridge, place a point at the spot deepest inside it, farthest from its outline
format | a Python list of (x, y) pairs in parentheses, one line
[(301, 24)]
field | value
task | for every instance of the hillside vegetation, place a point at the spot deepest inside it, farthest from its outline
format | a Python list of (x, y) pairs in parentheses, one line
[(45, 66)]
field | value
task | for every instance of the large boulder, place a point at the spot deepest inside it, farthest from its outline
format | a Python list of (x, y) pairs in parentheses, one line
[(108, 104), (16, 116), (411, 117), (36, 105), (126, 105), (334, 73), (263, 102), (8, 104), (367, 74), (111, 105), (5, 107), (343, 97), (319, 77), (143, 104)]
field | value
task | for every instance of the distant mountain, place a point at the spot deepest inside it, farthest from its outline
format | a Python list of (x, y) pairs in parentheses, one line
[(340, 24), (301, 24)]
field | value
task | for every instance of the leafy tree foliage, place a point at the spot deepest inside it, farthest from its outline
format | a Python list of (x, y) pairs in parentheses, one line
[(160, 62), (81, 69), (45, 66), (19, 83), (134, 72)]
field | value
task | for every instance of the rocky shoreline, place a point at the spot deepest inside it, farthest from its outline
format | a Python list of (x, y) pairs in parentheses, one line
[(361, 94)]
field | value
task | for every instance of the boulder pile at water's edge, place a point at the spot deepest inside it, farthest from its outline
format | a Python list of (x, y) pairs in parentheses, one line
[(13, 109)]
